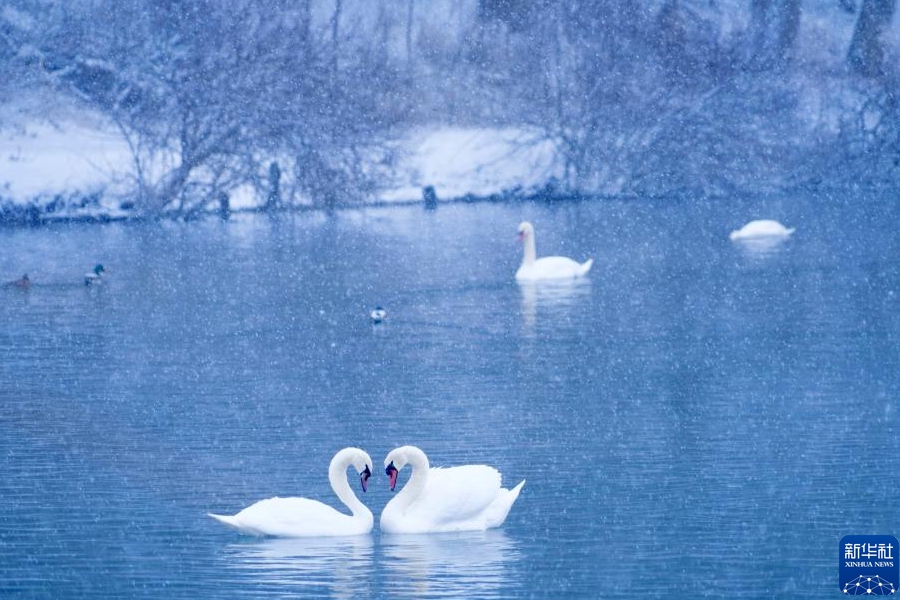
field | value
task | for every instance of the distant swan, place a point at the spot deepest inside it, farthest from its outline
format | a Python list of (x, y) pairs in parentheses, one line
[(301, 517), (764, 228), (467, 498), (548, 267)]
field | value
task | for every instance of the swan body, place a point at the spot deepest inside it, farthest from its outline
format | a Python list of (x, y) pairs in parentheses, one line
[(764, 228), (95, 277), (302, 517), (548, 267), (467, 498)]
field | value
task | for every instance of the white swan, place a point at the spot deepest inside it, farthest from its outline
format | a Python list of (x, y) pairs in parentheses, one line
[(763, 228), (467, 498), (548, 267), (302, 517)]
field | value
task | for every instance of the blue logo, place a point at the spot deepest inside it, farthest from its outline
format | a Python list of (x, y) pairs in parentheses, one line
[(869, 565)]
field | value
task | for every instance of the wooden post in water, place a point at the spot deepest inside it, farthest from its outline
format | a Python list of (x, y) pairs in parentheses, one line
[(33, 215), (274, 197), (224, 206), (429, 196)]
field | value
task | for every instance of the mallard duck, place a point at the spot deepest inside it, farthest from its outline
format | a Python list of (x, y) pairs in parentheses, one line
[(378, 315), (23, 283), (94, 277)]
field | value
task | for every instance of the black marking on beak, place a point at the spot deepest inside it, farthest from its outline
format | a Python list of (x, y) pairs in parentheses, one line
[(392, 472), (364, 478)]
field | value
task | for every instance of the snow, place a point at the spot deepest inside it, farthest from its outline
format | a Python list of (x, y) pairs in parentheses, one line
[(42, 159), (77, 154), (460, 161)]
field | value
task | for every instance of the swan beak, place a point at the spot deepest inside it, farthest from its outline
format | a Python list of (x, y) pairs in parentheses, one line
[(520, 236), (392, 473), (364, 478)]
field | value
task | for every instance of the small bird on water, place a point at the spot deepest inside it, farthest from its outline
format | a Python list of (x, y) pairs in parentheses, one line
[(378, 314), (94, 277), (23, 283)]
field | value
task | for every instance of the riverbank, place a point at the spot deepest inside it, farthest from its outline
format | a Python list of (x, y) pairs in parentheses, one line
[(71, 164)]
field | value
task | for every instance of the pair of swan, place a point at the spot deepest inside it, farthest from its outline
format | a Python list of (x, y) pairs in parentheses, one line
[(561, 267), (467, 498)]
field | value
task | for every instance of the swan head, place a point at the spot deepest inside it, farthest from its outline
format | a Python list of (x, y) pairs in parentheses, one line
[(526, 229), (361, 462), (358, 459), (394, 462), (399, 458)]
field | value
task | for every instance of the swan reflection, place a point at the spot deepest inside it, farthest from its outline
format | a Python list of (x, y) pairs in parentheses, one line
[(337, 564), (552, 296), (457, 565), (761, 247)]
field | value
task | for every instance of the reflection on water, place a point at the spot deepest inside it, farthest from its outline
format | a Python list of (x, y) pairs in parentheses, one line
[(340, 565), (473, 564), (761, 247), (554, 297)]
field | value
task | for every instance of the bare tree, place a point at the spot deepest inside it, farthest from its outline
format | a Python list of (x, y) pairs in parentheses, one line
[(409, 28), (866, 53), (335, 33), (774, 26)]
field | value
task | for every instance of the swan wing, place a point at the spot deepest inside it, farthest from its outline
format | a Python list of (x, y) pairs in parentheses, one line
[(457, 493), (553, 267)]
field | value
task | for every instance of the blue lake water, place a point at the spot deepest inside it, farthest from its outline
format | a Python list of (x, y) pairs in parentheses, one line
[(698, 419)]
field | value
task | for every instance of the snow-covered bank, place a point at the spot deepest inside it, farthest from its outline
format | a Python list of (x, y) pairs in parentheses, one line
[(63, 169), (73, 164), (479, 162)]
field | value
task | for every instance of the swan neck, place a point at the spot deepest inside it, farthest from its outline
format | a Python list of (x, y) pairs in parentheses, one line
[(529, 252), (337, 476), (418, 462)]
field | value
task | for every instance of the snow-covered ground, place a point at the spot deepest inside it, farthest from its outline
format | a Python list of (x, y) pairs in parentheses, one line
[(75, 163), (43, 161), (459, 161)]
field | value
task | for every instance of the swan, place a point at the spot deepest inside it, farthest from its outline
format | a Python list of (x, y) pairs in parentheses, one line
[(467, 498), (548, 267), (302, 517), (94, 277), (763, 228)]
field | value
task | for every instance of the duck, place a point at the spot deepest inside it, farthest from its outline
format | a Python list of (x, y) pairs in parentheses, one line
[(24, 283), (436, 500), (547, 267), (94, 277), (761, 228), (378, 314)]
